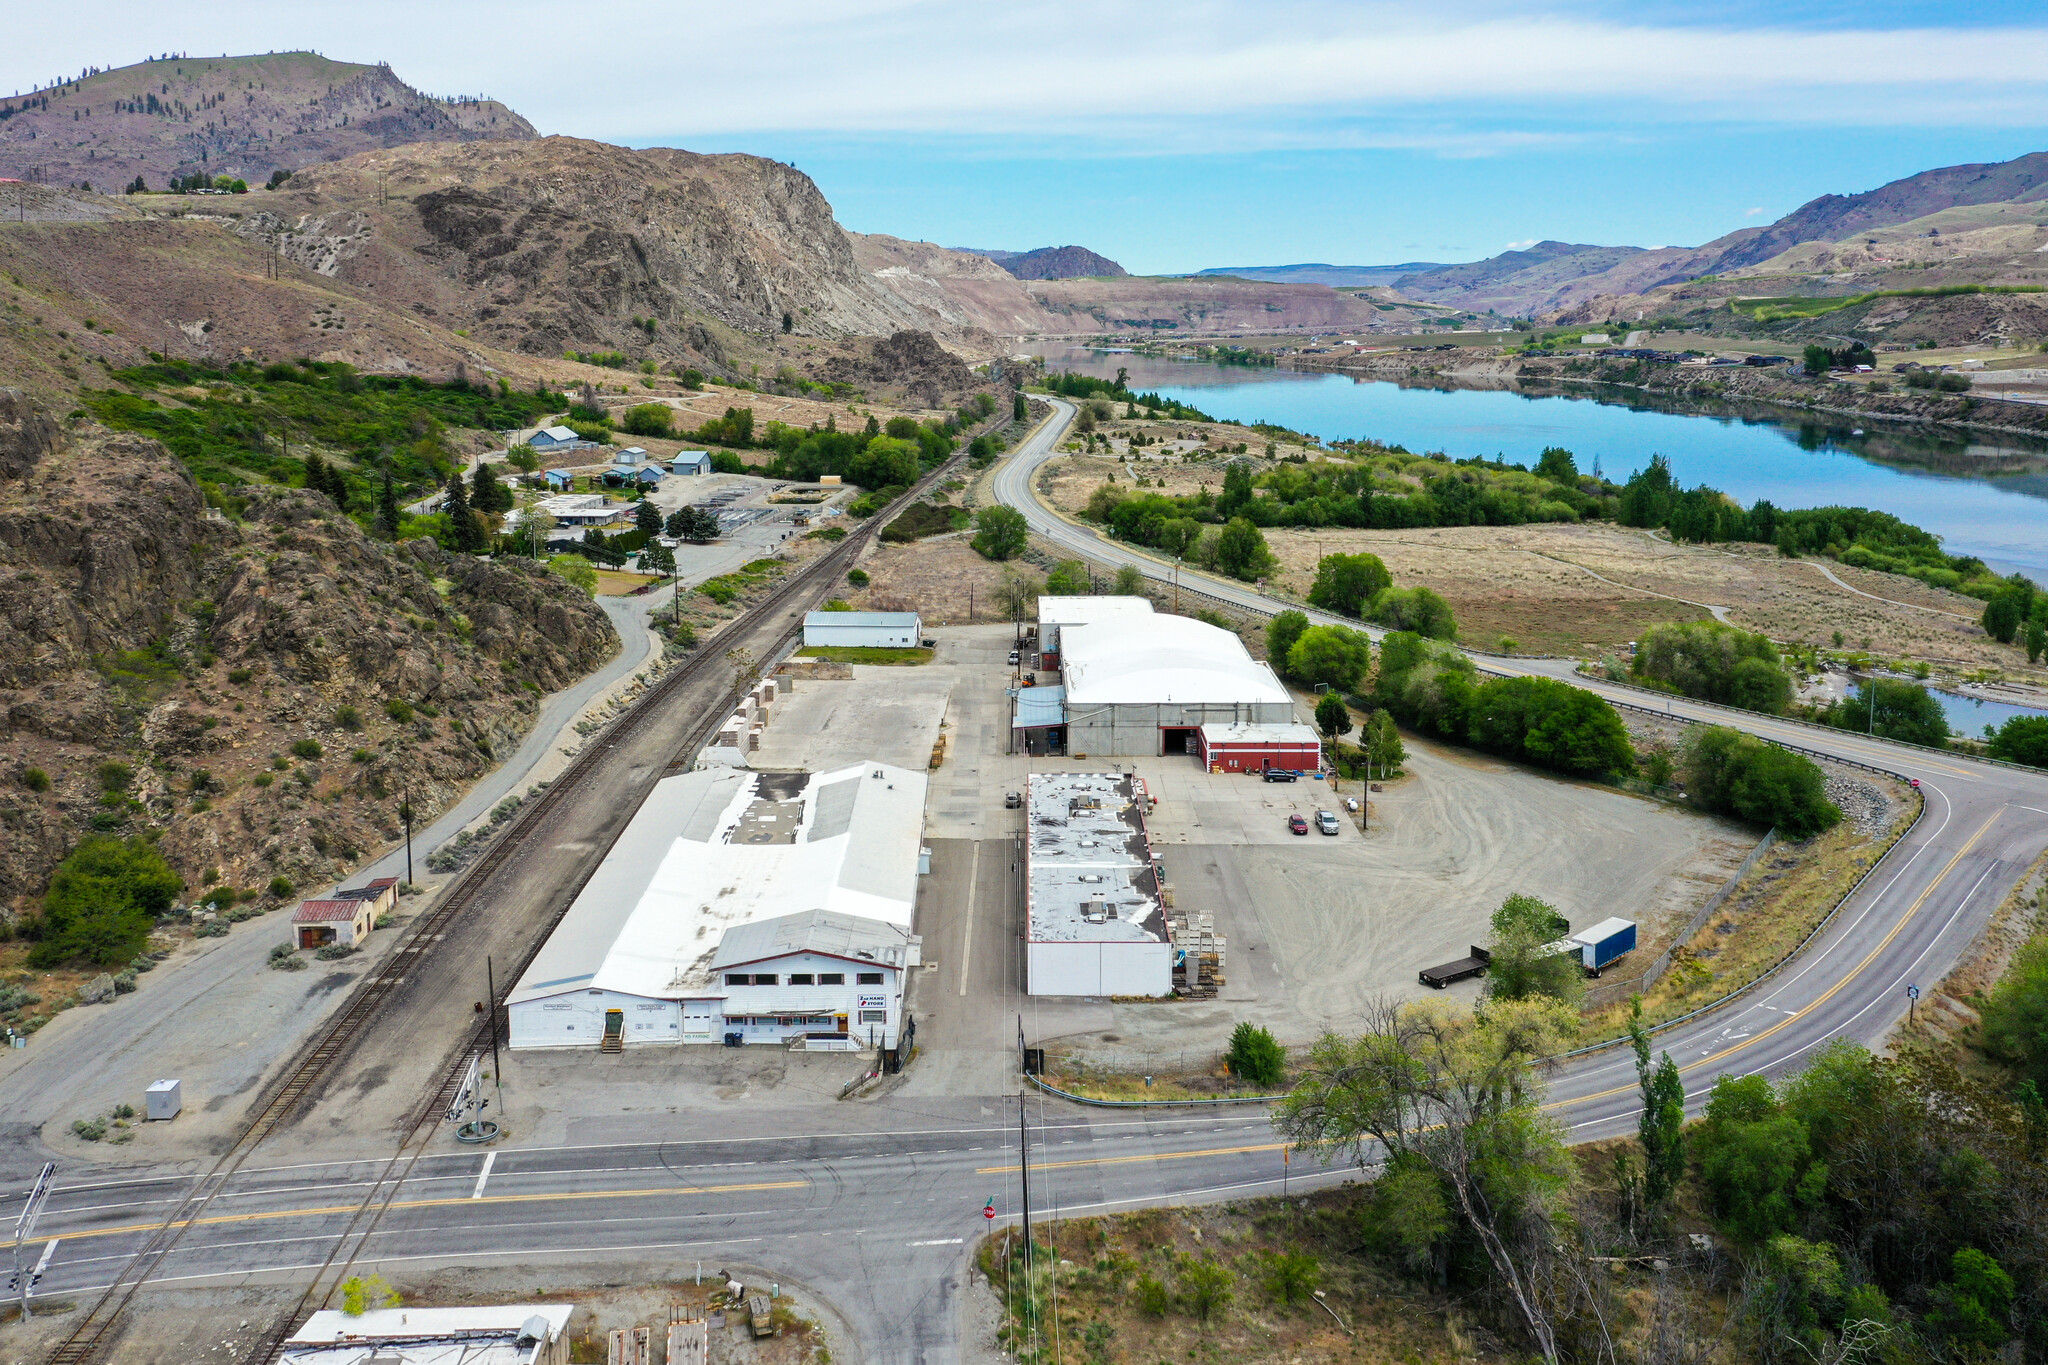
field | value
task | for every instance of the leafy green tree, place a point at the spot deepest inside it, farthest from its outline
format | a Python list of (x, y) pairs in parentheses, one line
[(1130, 582), (2015, 1027), (1661, 1128), (886, 462), (649, 419), (1000, 533), (1333, 717), (1333, 656), (1549, 723), (1417, 610), (1817, 359), (2008, 609), (102, 902), (1978, 1301), (1069, 578), (1755, 1160), (576, 571), (1381, 741), (1901, 710), (1241, 550), (1020, 411), (1523, 964), (1798, 1291), (1281, 633), (1255, 1056), (1346, 584), (360, 1293), (1237, 490), (1731, 773), (1715, 662), (521, 457), (1436, 1095), (657, 558), (2022, 739)]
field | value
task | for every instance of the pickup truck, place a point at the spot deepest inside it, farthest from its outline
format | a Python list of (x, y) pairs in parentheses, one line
[(1436, 978)]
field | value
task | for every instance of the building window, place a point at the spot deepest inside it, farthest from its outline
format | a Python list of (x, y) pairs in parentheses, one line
[(874, 1016), (738, 979), (764, 978), (831, 978), (868, 979), (799, 978)]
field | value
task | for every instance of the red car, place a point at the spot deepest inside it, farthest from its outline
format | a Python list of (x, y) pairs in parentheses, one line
[(1297, 824)]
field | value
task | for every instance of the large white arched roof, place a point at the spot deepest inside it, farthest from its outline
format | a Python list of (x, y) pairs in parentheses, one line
[(1161, 659)]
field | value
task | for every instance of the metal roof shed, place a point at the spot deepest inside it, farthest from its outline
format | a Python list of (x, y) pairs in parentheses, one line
[(863, 629)]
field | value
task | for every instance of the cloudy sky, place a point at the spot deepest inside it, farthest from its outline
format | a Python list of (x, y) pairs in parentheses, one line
[(1208, 132)]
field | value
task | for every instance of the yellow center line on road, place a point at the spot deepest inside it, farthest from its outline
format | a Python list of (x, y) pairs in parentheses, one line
[(1125, 1160), (1826, 995), (442, 1203)]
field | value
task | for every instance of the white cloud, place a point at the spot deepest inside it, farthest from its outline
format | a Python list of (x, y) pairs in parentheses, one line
[(1751, 213), (1466, 77), (1523, 245)]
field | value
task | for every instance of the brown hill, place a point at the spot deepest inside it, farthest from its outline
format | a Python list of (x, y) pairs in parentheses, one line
[(1056, 263), (139, 628), (241, 116)]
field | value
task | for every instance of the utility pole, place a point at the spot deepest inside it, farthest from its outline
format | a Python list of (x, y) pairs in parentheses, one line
[(25, 1226), (405, 814), (491, 1004), (1024, 1169)]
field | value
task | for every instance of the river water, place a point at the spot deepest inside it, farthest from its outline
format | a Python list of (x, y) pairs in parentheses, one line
[(1982, 497)]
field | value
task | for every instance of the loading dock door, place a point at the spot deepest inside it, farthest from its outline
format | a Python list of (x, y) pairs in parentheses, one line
[(1178, 739)]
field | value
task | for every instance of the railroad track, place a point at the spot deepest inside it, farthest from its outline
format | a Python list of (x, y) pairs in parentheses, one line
[(317, 1060)]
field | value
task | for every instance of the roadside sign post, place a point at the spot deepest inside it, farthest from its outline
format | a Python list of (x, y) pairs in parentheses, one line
[(1912, 1005)]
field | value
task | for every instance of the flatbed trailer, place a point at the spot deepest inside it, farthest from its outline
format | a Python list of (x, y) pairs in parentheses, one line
[(1436, 978)]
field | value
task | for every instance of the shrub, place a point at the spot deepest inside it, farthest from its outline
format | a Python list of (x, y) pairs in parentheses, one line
[(35, 779), (92, 1130), (1419, 610), (281, 888), (307, 748), (212, 929), (116, 776), (1205, 1286), (1152, 1297), (1899, 710), (1731, 773), (1255, 1055), (1290, 1276), (1714, 662), (103, 900), (1000, 533), (857, 577), (2022, 739), (649, 419), (1281, 633), (1346, 584), (1551, 724), (331, 952), (348, 717)]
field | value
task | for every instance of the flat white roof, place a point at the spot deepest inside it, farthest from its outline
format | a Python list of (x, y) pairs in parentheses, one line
[(430, 1336), (1296, 733), (893, 619), (1161, 659), (329, 1324), (1076, 611), (1090, 876), (711, 850)]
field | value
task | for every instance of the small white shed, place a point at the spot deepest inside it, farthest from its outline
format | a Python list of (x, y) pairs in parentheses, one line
[(863, 629)]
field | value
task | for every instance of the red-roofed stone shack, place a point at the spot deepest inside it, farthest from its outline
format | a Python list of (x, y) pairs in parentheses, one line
[(316, 924)]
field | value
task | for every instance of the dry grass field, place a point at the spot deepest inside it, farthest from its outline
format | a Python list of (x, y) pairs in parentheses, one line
[(1592, 587)]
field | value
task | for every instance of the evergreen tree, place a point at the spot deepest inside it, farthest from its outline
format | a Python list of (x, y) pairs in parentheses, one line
[(1660, 1129), (387, 509), (1020, 411), (486, 493), (464, 529), (316, 473), (647, 517)]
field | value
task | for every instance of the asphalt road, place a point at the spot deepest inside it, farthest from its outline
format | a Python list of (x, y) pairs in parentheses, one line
[(875, 1206), (1919, 912)]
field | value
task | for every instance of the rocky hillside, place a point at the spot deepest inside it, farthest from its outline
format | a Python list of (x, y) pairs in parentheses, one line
[(1054, 263), (258, 690), (246, 117)]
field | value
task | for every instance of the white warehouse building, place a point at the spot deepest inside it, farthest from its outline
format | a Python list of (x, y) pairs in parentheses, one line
[(1094, 921), (863, 629), (1140, 684), (740, 907)]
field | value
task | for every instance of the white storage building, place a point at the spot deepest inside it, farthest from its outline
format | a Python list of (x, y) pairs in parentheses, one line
[(863, 629), (1141, 684), (1094, 922), (507, 1334), (803, 883)]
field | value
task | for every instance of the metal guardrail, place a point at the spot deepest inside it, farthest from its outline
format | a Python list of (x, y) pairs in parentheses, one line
[(1614, 992)]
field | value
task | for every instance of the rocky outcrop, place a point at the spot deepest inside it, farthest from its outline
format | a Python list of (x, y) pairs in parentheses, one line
[(141, 628), (244, 117), (914, 360)]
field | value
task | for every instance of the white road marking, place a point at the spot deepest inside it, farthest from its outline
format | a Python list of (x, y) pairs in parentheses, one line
[(938, 1242), (483, 1176), (967, 943)]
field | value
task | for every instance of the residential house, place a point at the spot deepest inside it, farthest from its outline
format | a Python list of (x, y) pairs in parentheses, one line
[(315, 924)]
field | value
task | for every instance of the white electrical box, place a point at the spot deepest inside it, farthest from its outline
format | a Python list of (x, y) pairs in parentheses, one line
[(163, 1100)]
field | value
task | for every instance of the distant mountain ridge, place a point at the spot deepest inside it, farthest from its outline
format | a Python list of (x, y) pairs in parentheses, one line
[(1052, 263), (247, 117), (1336, 276)]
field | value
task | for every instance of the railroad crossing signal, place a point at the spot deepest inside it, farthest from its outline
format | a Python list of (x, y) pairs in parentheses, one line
[(466, 1094), (24, 1226)]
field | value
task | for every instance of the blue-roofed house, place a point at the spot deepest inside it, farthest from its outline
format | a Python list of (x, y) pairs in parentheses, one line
[(690, 462), (561, 480), (548, 440), (648, 476)]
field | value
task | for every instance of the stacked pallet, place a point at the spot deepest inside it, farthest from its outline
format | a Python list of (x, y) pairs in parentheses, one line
[(689, 1339), (630, 1346), (1201, 952)]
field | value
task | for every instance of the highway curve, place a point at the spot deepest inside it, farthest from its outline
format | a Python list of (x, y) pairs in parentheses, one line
[(876, 1207), (1911, 920)]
